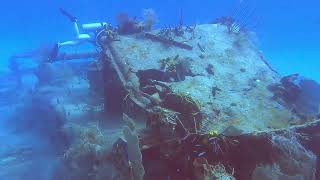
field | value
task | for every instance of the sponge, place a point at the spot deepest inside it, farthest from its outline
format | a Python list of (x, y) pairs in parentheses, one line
[(134, 153)]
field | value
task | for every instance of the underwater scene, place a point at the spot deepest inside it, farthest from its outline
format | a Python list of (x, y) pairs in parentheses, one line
[(160, 90)]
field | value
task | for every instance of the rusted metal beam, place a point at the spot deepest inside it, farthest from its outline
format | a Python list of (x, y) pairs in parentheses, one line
[(72, 56), (167, 41)]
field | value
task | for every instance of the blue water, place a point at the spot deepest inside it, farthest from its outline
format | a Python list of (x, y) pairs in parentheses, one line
[(288, 32)]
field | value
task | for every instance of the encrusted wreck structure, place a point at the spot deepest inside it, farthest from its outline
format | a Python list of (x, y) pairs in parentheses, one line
[(202, 95), (186, 102)]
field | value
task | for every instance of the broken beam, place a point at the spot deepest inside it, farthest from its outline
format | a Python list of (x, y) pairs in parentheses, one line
[(167, 41)]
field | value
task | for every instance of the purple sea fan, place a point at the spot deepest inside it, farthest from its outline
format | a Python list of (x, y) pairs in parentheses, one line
[(127, 24), (123, 18)]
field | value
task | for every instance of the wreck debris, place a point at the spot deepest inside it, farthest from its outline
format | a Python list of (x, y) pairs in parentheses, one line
[(119, 159), (210, 69), (106, 35), (72, 56), (129, 122), (178, 30), (176, 143), (201, 56), (173, 130), (166, 41), (243, 70), (84, 152), (189, 109), (219, 172), (162, 123), (299, 94), (191, 29), (255, 148), (177, 67), (271, 172), (265, 61), (129, 83), (165, 32), (95, 77), (301, 160), (134, 153), (45, 73), (215, 90), (204, 171), (200, 47), (153, 74)]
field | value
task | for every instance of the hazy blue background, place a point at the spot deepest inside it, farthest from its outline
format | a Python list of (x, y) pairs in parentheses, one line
[(289, 31)]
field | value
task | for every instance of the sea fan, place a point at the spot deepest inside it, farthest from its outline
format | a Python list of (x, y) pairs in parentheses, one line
[(149, 19), (127, 24)]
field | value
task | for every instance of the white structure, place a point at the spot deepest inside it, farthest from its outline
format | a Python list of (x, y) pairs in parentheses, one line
[(89, 30)]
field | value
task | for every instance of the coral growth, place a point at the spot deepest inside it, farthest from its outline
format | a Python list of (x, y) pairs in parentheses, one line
[(189, 109), (119, 158), (177, 67), (163, 122), (84, 157), (87, 139), (91, 156), (229, 22), (204, 171), (243, 18), (149, 19), (131, 25), (127, 24), (293, 158), (271, 172), (178, 31)]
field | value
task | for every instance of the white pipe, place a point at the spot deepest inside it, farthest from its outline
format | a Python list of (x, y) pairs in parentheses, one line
[(83, 37), (68, 43), (93, 26), (76, 29)]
